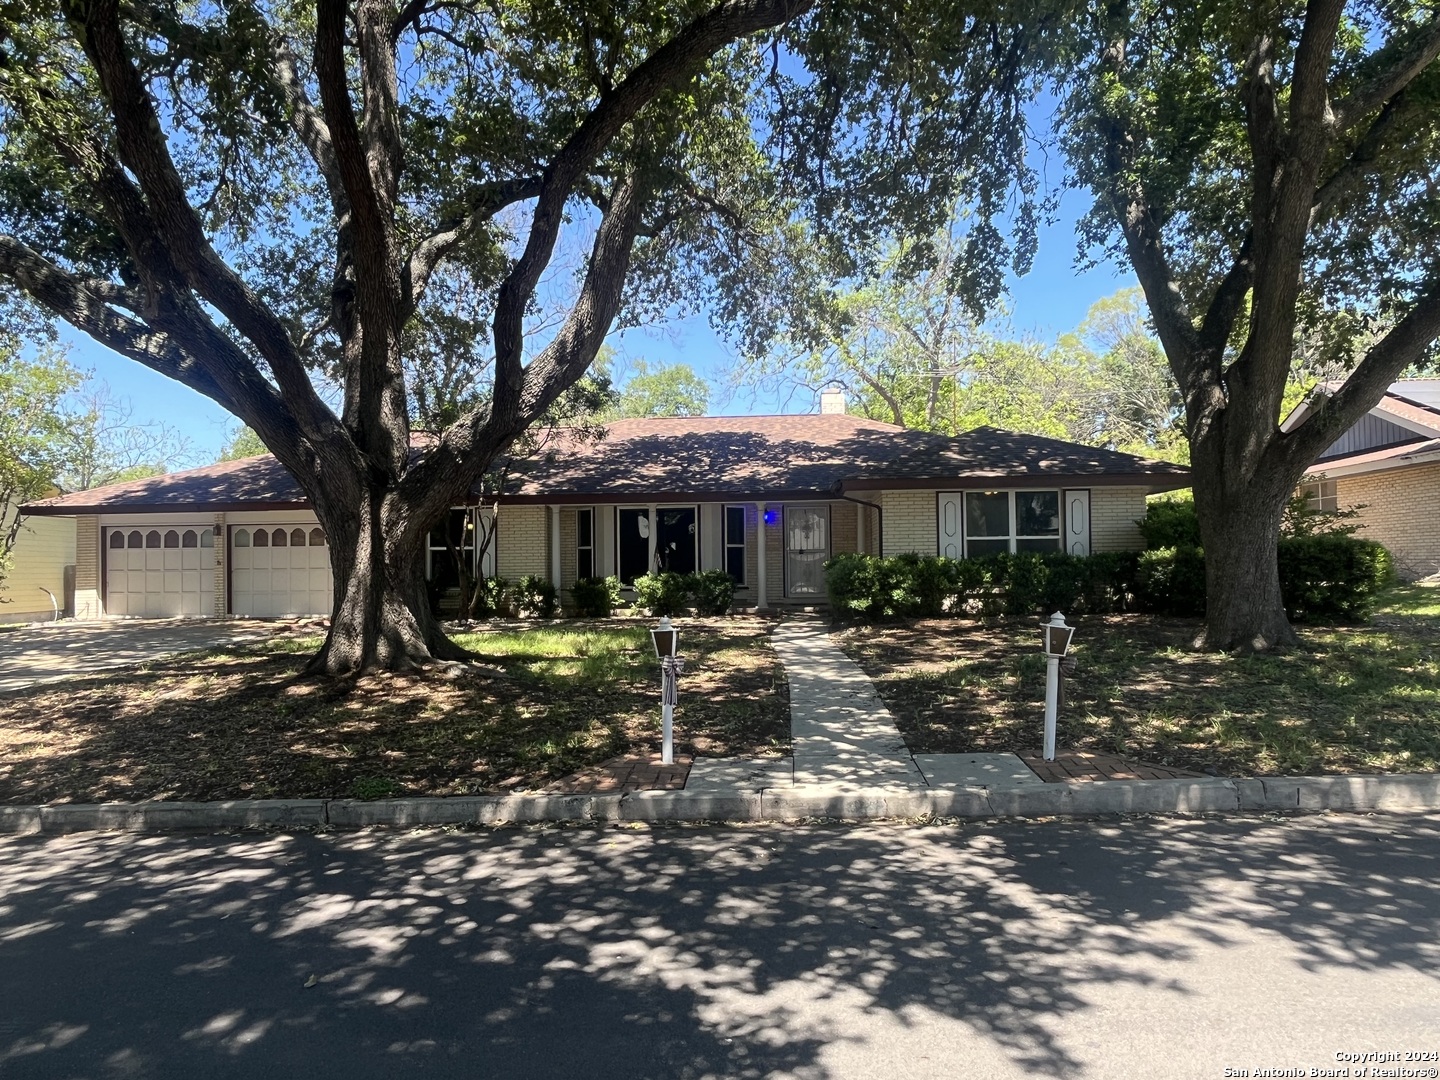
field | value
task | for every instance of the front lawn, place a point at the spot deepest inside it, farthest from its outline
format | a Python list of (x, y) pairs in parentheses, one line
[(1354, 699), (239, 723)]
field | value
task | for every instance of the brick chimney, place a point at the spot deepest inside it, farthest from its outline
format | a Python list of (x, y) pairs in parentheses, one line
[(832, 400)]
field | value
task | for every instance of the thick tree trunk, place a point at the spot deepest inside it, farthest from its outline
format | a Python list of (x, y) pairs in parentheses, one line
[(1240, 531), (382, 617)]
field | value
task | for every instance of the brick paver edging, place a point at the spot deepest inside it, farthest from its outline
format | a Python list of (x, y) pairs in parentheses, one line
[(1412, 791)]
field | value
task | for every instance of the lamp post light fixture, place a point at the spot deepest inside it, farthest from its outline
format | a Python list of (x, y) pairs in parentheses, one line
[(667, 644), (1055, 635)]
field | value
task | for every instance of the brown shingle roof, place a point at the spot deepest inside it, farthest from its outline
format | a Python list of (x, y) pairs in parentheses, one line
[(796, 456), (715, 456), (249, 483)]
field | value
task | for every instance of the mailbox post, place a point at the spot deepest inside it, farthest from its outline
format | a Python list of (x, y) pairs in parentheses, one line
[(1056, 637), (667, 642)]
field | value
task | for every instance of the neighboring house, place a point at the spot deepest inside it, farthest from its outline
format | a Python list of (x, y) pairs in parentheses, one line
[(768, 498), (42, 563), (1387, 466)]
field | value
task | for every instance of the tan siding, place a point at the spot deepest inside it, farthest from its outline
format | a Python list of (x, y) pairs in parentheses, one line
[(523, 546), (87, 568), (44, 546), (1401, 509), (909, 522), (1113, 514)]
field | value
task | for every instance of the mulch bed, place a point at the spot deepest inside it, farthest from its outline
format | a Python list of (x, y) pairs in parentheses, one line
[(242, 723)]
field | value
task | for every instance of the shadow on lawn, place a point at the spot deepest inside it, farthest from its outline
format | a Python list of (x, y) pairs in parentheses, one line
[(240, 724), (602, 953)]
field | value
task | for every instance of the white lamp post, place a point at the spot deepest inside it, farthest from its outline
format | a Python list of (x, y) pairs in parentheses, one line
[(667, 643), (1056, 637)]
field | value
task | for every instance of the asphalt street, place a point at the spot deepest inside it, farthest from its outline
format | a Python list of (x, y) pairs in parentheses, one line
[(1137, 948)]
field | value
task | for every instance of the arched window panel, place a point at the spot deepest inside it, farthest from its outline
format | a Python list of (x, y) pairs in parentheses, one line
[(189, 539), (152, 538), (241, 538), (172, 538)]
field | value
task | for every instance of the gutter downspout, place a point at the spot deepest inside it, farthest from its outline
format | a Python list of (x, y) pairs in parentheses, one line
[(879, 519)]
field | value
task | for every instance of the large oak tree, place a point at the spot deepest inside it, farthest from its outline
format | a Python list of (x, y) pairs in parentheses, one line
[(1272, 173), (260, 198)]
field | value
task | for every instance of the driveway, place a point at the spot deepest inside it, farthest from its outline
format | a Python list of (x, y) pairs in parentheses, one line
[(36, 654)]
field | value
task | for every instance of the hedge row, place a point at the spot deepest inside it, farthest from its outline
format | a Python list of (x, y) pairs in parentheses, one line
[(709, 592), (1322, 578)]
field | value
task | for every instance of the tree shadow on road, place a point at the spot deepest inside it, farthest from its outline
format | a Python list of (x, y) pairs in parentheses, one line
[(669, 952)]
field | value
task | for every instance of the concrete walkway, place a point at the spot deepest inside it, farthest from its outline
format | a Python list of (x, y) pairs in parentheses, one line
[(843, 736)]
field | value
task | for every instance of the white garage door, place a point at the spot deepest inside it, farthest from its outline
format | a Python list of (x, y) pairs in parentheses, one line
[(280, 570), (160, 573)]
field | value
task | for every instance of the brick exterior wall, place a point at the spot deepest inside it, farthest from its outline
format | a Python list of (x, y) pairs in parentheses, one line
[(842, 527), (1113, 514), (221, 595), (910, 522), (88, 601), (1401, 509), (524, 546)]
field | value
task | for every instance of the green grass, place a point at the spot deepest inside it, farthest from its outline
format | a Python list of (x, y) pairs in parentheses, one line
[(1351, 699)]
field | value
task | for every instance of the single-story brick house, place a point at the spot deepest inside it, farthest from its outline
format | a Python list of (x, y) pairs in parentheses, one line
[(768, 498), (1387, 466)]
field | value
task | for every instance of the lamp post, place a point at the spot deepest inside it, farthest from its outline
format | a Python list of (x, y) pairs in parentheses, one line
[(1056, 636), (667, 642)]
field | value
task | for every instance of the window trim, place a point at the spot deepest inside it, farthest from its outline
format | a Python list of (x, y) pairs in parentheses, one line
[(1012, 537), (1315, 502), (589, 512), (726, 543)]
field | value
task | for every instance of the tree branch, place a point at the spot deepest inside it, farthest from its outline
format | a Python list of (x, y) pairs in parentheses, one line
[(673, 62), (1405, 344), (1411, 59), (87, 304), (486, 200), (143, 150)]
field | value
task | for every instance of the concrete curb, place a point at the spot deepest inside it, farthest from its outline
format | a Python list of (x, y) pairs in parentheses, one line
[(1395, 792)]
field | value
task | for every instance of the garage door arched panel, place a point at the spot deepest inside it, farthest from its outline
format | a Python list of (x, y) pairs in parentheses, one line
[(154, 574), (279, 571)]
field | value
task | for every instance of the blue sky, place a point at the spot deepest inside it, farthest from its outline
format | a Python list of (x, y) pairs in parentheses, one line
[(1049, 300)]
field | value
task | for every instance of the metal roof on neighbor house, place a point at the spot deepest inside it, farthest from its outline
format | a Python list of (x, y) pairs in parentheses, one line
[(766, 457)]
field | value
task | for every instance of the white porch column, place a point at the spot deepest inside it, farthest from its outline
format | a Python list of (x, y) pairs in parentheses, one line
[(652, 540), (761, 603), (555, 546), (860, 516)]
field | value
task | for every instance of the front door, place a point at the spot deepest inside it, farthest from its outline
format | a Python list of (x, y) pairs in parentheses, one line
[(807, 546)]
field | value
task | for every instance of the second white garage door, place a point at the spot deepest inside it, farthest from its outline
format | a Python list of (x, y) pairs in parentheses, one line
[(279, 570)]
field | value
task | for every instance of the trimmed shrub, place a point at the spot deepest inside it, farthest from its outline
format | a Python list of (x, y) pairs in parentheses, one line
[(924, 586), (1330, 577), (713, 591), (1170, 523), (594, 597), (665, 593), (1171, 581), (535, 597)]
